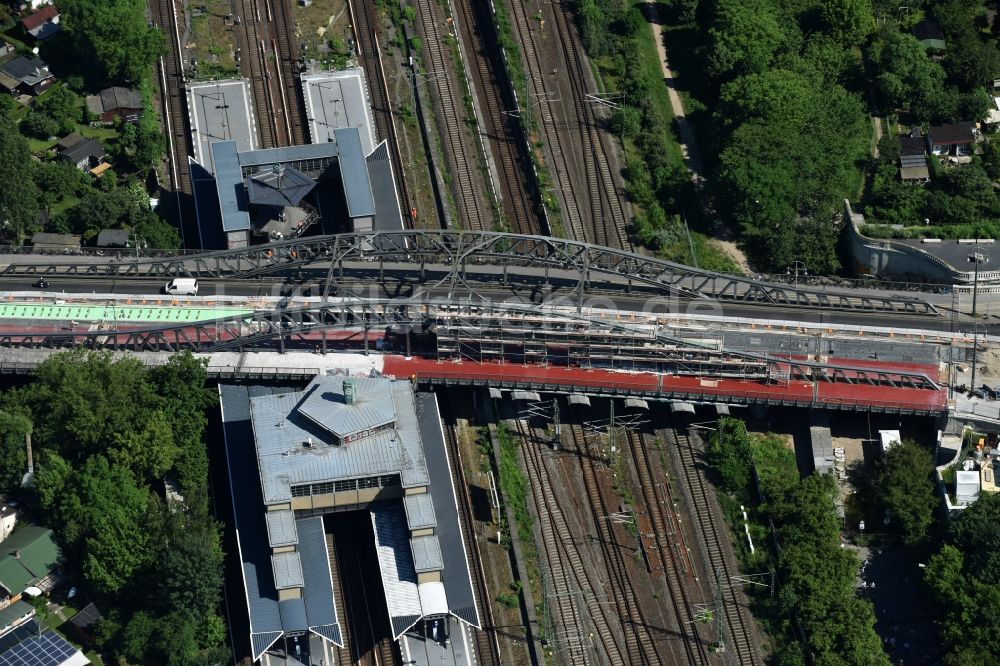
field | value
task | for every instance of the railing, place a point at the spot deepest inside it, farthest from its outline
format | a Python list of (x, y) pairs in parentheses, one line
[(654, 386)]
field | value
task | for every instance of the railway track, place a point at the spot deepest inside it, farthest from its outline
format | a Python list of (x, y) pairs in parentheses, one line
[(594, 207), (364, 20), (521, 212), (474, 208), (173, 98), (567, 573), (286, 49), (739, 628), (343, 654), (252, 53), (678, 570), (487, 648), (639, 644)]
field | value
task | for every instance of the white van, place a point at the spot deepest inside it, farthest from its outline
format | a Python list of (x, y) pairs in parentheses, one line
[(182, 287)]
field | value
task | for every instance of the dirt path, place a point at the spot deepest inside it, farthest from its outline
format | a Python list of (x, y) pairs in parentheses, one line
[(689, 145)]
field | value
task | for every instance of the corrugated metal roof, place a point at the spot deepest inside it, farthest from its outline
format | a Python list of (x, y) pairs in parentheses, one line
[(354, 174), (280, 431), (287, 570), (326, 406), (269, 156), (285, 186), (433, 598), (15, 612), (281, 528), (456, 576), (399, 579), (248, 515), (229, 184), (419, 511), (293, 615), (387, 212), (335, 100), (426, 554), (318, 585)]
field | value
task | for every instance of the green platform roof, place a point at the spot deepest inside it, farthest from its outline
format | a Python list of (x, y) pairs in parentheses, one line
[(26, 556)]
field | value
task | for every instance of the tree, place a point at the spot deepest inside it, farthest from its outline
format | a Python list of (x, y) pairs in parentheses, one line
[(191, 573), (18, 192), (40, 125), (975, 532), (61, 105), (59, 180), (121, 46), (848, 21), (903, 479), (14, 426), (907, 78), (745, 38), (729, 454), (972, 62)]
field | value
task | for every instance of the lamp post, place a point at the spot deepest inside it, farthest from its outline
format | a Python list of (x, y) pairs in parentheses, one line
[(796, 267), (137, 237)]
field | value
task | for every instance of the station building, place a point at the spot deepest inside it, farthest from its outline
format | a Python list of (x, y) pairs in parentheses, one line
[(341, 181), (299, 457)]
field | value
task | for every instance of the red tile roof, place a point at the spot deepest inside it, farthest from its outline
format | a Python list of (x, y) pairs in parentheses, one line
[(46, 13)]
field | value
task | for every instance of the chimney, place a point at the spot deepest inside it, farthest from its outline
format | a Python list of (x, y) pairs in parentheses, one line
[(349, 389), (17, 554)]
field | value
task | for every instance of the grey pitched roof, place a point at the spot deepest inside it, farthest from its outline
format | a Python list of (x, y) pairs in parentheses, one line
[(953, 133), (426, 552), (293, 615), (399, 578), (321, 612), (912, 145), (287, 569), (419, 511), (29, 71), (281, 528), (116, 97), (326, 406), (387, 213), (283, 186), (354, 173), (269, 156), (280, 431), (248, 515), (456, 576), (229, 185), (83, 149)]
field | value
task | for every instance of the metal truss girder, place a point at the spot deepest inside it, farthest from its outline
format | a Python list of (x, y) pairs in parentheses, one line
[(460, 249), (246, 331)]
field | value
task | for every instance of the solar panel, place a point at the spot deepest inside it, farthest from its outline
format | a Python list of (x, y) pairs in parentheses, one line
[(49, 649)]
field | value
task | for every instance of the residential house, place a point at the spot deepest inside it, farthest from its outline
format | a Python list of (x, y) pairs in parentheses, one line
[(913, 160), (930, 35), (25, 76), (84, 153), (8, 517), (955, 141), (116, 102), (14, 616), (43, 23), (28, 558)]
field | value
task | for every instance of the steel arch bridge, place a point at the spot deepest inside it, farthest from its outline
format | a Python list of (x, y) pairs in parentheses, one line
[(517, 321), (464, 259)]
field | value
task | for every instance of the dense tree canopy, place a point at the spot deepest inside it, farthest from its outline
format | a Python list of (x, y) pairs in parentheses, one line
[(815, 575), (962, 581), (18, 192), (120, 44), (903, 479), (108, 435)]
